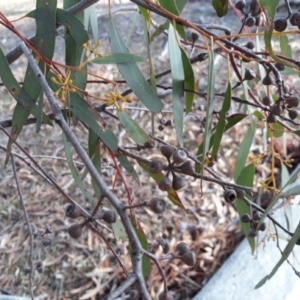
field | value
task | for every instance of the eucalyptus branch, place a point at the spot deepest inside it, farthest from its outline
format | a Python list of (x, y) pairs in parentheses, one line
[(106, 192)]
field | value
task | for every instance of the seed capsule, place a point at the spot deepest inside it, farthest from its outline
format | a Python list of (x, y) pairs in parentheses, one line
[(293, 101), (279, 67), (254, 7), (266, 100), (156, 166), (250, 45), (165, 184), (73, 211), (252, 233), (189, 258), (157, 205), (245, 218), (271, 118), (75, 231), (280, 24), (249, 74), (293, 114), (179, 156), (295, 18), (178, 183), (276, 109), (262, 226), (267, 80), (167, 150), (240, 5), (229, 195), (109, 216), (250, 21), (187, 168), (182, 248)]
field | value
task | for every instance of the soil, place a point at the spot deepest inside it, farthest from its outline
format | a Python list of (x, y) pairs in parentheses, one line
[(85, 268)]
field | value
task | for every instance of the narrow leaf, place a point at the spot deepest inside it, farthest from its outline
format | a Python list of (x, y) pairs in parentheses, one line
[(220, 127), (189, 81), (146, 263), (221, 7), (177, 72), (209, 105), (133, 129), (244, 151), (74, 172), (94, 154), (123, 160), (286, 252), (118, 58), (132, 74)]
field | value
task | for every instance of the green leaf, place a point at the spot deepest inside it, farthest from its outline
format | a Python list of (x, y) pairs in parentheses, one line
[(45, 18), (94, 154), (221, 7), (172, 194), (220, 127), (189, 81), (90, 18), (74, 172), (123, 160), (118, 58), (285, 176), (133, 129), (246, 179), (70, 3), (209, 106), (285, 46), (177, 72), (278, 130), (119, 230), (13, 87), (75, 37), (244, 151), (259, 115), (285, 254), (175, 7), (132, 74)]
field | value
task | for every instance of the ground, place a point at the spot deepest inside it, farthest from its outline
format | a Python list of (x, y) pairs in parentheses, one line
[(85, 268)]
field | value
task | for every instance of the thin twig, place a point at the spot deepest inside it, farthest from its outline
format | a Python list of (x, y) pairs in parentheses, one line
[(30, 260), (130, 280)]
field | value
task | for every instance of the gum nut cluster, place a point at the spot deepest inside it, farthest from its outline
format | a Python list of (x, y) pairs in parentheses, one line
[(254, 221), (289, 103), (252, 17), (177, 159)]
